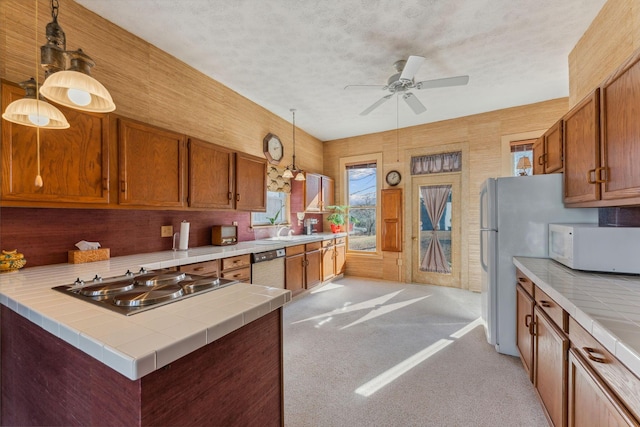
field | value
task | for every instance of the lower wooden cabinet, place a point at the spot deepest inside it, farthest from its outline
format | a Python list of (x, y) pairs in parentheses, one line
[(550, 367), (524, 329), (236, 268), (578, 381), (303, 267), (591, 403), (313, 265), (328, 260), (206, 268), (341, 255)]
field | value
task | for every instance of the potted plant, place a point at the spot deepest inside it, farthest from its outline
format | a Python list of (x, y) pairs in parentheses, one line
[(339, 217)]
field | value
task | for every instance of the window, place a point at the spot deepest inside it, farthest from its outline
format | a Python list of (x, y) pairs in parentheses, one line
[(519, 151), (362, 190), (277, 210)]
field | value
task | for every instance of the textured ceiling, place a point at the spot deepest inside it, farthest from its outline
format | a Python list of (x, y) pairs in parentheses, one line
[(285, 54)]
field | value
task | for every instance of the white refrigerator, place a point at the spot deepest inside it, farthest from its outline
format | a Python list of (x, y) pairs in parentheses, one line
[(514, 217)]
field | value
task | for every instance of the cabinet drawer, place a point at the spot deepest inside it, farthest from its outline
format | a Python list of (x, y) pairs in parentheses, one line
[(207, 268), (312, 246), (328, 243), (340, 240), (236, 262), (242, 274), (624, 383), (553, 309), (525, 282), (295, 250)]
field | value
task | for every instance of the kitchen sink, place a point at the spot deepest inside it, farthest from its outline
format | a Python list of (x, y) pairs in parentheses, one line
[(273, 240)]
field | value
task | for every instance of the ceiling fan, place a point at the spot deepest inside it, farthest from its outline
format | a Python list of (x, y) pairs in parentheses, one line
[(401, 82)]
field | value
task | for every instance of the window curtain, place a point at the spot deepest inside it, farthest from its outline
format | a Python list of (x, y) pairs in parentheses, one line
[(275, 181), (436, 163), (435, 200)]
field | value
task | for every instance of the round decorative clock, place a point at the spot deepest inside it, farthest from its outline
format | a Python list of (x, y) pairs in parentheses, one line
[(393, 178), (272, 147)]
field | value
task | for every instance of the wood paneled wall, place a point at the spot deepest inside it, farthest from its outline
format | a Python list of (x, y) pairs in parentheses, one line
[(148, 84), (610, 39), (480, 133)]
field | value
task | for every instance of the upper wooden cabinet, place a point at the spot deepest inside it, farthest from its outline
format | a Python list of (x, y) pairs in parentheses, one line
[(74, 162), (603, 142), (318, 193), (251, 183), (152, 165), (547, 151), (620, 127), (392, 219), (582, 151), (211, 175)]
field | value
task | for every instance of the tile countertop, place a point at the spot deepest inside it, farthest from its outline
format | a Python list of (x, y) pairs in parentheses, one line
[(139, 344), (606, 305)]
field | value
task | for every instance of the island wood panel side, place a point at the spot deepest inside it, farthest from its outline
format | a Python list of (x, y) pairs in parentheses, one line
[(46, 381), (236, 380)]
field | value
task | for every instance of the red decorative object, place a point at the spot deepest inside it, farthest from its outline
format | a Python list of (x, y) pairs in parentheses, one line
[(335, 228)]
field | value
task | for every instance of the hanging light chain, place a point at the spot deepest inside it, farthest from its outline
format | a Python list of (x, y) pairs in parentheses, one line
[(54, 9)]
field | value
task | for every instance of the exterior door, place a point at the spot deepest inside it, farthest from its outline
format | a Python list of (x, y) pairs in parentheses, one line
[(436, 229)]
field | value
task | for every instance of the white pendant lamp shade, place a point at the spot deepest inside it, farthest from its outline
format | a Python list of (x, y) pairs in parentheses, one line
[(300, 176), (77, 90), (287, 174), (35, 113)]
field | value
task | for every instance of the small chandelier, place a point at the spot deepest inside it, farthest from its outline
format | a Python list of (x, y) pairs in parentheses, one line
[(291, 169)]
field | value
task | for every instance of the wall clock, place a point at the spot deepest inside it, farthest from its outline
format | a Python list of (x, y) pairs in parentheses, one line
[(393, 178), (272, 147)]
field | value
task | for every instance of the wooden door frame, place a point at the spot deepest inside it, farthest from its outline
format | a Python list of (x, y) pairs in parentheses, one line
[(466, 200)]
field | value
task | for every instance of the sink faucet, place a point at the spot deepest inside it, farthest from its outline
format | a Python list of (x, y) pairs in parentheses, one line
[(280, 228), (290, 233)]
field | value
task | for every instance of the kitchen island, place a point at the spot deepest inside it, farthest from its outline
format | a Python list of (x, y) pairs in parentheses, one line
[(212, 359)]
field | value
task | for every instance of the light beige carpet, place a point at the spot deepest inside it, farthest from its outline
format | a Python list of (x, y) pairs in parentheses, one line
[(362, 352)]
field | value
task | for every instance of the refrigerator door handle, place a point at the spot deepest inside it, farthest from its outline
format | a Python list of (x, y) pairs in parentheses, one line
[(485, 267), (483, 195)]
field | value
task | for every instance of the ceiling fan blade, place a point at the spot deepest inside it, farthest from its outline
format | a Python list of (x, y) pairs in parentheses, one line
[(350, 87), (376, 104), (413, 102), (411, 67), (447, 81)]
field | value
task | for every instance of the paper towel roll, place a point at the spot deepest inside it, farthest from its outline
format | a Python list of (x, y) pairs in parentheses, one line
[(184, 236)]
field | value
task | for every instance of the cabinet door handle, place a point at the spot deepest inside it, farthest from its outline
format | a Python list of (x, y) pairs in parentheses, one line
[(591, 176), (594, 355), (599, 172), (105, 184), (545, 304), (237, 197), (230, 196), (123, 186), (527, 320), (532, 328)]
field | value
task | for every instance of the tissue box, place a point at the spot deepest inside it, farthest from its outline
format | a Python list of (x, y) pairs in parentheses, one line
[(79, 257)]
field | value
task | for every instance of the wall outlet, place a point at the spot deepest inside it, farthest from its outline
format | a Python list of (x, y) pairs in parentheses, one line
[(166, 231)]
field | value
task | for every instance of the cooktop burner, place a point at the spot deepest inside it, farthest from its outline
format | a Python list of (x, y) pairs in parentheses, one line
[(133, 293)]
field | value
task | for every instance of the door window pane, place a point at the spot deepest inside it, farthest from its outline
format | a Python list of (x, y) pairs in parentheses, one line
[(435, 228)]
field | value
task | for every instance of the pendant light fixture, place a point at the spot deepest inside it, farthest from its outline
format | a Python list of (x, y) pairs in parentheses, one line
[(70, 86), (31, 110), (291, 169)]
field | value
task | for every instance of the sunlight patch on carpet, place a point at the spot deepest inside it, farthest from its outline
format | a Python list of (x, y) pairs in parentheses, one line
[(406, 365)]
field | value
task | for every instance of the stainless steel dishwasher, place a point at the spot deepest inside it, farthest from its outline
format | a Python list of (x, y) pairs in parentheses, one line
[(267, 268)]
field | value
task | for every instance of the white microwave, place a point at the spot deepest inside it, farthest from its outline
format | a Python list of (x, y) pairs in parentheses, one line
[(593, 248)]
